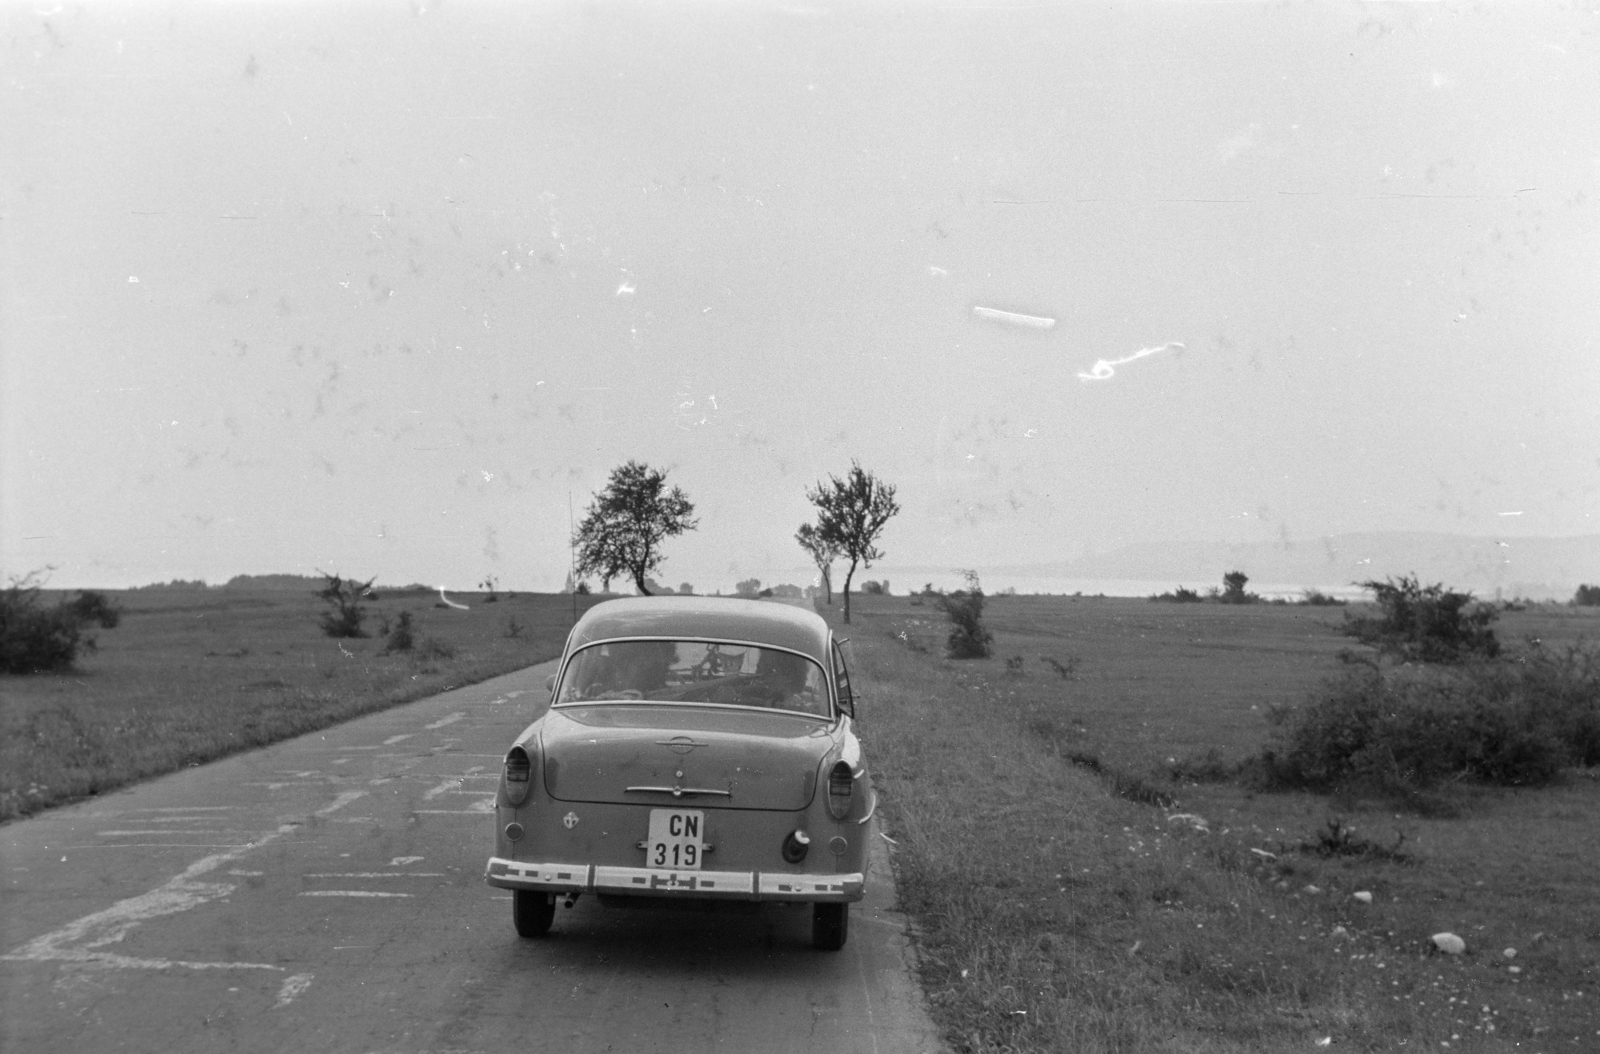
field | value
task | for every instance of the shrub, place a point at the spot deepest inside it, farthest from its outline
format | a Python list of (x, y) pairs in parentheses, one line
[(875, 589), (964, 607), (1065, 670), (582, 589), (401, 637), (1587, 596), (1425, 623), (490, 586), (1210, 767), (1515, 722), (750, 587), (91, 606), (433, 648), (34, 638), (343, 596), (1317, 598), (1181, 595), (1338, 838), (1233, 589)]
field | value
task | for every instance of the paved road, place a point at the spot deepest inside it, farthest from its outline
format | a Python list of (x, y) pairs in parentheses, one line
[(325, 894)]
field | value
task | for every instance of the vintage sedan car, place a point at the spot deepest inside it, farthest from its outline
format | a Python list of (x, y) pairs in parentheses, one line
[(696, 749)]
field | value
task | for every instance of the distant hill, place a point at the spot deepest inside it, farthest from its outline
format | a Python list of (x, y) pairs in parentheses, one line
[(1514, 566), (298, 583)]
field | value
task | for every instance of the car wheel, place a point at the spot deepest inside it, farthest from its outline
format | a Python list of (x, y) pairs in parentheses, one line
[(830, 925), (532, 912)]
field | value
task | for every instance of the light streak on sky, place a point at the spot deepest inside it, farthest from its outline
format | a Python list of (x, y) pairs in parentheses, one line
[(1106, 369), (996, 315)]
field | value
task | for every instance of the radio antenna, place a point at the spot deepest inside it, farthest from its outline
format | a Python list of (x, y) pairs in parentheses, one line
[(572, 558)]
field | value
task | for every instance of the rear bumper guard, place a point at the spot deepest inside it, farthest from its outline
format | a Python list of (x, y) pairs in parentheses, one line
[(652, 882)]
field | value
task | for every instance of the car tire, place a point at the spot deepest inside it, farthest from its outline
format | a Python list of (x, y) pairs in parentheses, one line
[(830, 926), (532, 912)]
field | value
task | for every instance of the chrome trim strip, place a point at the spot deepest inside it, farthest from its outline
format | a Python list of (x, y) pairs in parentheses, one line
[(678, 792), (872, 809), (651, 880), (811, 887), (644, 881), (515, 875)]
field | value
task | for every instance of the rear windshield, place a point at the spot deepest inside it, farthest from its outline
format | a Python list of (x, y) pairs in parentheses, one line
[(692, 671)]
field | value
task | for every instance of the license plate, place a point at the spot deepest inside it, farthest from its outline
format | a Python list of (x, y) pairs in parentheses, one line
[(676, 839)]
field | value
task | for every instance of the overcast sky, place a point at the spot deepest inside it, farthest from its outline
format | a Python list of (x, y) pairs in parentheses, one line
[(373, 287)]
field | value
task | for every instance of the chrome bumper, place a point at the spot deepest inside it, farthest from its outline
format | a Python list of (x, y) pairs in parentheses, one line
[(649, 882)]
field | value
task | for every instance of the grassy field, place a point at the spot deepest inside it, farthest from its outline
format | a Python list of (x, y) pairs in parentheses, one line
[(193, 674), (1074, 888), (1071, 893)]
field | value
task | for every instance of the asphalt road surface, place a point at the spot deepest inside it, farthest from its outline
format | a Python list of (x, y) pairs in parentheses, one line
[(326, 894)]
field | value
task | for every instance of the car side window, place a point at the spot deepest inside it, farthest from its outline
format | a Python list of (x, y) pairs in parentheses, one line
[(841, 677)]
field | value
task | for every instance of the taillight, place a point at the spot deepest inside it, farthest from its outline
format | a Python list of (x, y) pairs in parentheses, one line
[(841, 785), (519, 767)]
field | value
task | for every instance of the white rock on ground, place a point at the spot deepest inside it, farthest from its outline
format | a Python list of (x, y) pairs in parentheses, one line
[(1449, 943), (1364, 897)]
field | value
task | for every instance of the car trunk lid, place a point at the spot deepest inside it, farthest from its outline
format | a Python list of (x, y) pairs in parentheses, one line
[(699, 756)]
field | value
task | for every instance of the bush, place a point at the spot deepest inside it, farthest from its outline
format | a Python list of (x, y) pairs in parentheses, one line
[(91, 606), (1425, 623), (1181, 595), (1514, 722), (344, 596), (875, 589), (402, 637), (433, 648), (1065, 670), (1587, 596), (36, 639), (1318, 599), (1233, 589), (968, 637)]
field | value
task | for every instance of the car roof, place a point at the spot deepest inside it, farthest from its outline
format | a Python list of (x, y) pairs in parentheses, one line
[(714, 618)]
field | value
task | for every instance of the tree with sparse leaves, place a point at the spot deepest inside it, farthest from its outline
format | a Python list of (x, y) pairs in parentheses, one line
[(851, 514), (623, 528), (821, 552), (346, 612)]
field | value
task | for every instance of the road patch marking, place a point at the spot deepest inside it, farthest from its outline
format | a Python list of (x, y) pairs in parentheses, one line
[(292, 986), (350, 893), (447, 785), (482, 808), (375, 874), (161, 845), (146, 834), (449, 720), (402, 861), (340, 800), (392, 740), (84, 939)]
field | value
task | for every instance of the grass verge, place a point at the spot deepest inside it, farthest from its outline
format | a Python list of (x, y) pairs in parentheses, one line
[(192, 675), (1073, 889)]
